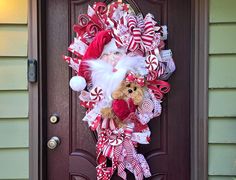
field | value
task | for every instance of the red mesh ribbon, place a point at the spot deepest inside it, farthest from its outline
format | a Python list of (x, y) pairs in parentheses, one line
[(93, 22), (100, 8), (115, 6), (159, 88)]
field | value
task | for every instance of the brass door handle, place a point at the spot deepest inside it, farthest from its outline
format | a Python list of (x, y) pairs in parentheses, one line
[(53, 142)]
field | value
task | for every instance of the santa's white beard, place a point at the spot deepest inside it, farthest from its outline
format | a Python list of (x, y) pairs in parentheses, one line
[(107, 77)]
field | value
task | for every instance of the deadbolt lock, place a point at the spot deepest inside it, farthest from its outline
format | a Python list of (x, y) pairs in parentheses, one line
[(54, 118)]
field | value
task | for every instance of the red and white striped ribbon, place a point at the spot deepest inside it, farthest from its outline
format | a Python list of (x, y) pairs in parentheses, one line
[(96, 123), (74, 63), (142, 35)]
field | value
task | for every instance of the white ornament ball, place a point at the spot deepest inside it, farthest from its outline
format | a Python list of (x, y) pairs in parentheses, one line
[(77, 83)]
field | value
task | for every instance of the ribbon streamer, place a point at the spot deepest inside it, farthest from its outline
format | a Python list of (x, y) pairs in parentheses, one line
[(159, 88)]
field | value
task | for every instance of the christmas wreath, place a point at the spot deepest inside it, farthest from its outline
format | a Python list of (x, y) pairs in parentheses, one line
[(121, 71)]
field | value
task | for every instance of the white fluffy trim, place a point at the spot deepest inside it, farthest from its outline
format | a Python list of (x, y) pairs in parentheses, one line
[(103, 75)]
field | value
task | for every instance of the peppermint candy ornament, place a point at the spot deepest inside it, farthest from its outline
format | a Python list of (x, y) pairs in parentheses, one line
[(96, 94), (116, 140), (151, 62), (147, 106)]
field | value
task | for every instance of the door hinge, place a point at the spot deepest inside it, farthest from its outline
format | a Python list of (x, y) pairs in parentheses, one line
[(32, 70)]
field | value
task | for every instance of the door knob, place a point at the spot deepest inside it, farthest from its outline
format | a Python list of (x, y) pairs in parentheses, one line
[(53, 142)]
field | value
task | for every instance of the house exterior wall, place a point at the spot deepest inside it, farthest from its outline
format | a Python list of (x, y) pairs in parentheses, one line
[(222, 90), (13, 90)]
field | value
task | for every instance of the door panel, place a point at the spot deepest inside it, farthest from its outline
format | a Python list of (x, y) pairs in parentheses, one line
[(168, 154)]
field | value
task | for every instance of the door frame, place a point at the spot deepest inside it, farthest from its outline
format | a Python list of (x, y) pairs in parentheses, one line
[(198, 91)]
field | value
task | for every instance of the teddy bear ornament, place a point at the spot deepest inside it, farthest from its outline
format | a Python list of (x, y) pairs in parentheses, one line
[(121, 70)]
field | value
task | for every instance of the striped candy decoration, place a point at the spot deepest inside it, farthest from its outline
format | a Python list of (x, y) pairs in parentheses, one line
[(96, 94), (151, 62), (161, 69), (74, 63), (132, 23), (152, 75), (96, 123)]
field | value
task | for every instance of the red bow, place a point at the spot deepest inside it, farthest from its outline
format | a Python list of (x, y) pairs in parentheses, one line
[(126, 153), (120, 153), (142, 32), (132, 78), (159, 88)]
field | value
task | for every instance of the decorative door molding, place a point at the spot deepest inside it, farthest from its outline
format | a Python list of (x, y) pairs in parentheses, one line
[(199, 90)]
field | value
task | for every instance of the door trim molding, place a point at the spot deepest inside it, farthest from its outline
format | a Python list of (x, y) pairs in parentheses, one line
[(33, 92), (37, 94), (198, 92)]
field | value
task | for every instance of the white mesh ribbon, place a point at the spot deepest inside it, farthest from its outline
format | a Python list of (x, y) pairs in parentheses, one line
[(168, 62)]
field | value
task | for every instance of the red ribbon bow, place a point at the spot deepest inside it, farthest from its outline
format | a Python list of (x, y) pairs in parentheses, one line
[(142, 33), (121, 154), (159, 88), (126, 153), (131, 77)]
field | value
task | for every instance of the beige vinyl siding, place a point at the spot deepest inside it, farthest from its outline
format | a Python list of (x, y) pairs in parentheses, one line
[(13, 71), (222, 71), (13, 40), (222, 90), (13, 11), (15, 164), (14, 124)]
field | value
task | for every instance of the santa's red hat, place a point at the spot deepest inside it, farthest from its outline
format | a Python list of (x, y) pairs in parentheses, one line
[(96, 47), (94, 51)]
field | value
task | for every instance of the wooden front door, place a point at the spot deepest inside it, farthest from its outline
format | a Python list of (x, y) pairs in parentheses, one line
[(74, 159)]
